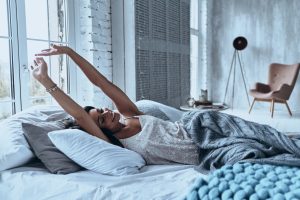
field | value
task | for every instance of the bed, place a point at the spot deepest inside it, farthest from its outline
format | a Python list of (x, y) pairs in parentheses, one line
[(159, 182), (22, 176)]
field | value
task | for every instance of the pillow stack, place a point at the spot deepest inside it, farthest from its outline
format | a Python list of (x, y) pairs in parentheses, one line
[(14, 149), (25, 135)]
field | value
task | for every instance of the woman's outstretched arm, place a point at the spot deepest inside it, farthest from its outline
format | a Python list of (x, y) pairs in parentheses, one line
[(120, 99), (40, 72)]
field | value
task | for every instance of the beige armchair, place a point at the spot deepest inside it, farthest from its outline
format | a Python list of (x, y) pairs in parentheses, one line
[(282, 79)]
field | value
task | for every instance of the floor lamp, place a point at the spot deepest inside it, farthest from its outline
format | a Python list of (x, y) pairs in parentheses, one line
[(239, 44)]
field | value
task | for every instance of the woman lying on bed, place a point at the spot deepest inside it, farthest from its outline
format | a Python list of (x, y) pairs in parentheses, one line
[(141, 133), (210, 139)]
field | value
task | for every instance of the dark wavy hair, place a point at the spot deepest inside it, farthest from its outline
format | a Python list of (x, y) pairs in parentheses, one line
[(71, 123)]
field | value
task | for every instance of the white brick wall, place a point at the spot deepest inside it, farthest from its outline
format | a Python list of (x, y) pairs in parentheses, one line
[(96, 46)]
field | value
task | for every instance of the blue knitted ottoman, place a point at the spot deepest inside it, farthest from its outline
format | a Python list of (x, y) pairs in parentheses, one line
[(248, 181)]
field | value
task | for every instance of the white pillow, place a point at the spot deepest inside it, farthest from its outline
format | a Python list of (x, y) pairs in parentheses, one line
[(14, 149), (95, 154)]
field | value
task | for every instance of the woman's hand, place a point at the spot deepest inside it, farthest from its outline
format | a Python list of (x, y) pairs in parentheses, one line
[(40, 69), (54, 50)]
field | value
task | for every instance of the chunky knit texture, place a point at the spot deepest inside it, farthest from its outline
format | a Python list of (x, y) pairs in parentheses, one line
[(248, 181)]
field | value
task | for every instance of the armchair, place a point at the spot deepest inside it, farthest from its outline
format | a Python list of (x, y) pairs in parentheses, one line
[(281, 82)]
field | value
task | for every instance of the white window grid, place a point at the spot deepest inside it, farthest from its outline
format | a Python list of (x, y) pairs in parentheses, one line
[(17, 38)]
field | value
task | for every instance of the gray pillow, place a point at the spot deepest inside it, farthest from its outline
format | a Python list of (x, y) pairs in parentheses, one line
[(53, 159)]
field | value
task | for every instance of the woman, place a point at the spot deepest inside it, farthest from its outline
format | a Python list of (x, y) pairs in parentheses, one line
[(210, 139), (158, 141)]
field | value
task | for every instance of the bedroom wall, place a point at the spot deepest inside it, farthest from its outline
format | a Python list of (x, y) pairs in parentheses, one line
[(272, 30), (95, 44)]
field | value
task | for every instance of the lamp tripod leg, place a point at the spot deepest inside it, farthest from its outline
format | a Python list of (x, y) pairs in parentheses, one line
[(233, 81), (243, 78), (226, 90)]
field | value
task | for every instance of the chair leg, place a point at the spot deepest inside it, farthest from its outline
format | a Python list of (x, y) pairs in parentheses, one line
[(252, 105), (288, 108), (272, 110)]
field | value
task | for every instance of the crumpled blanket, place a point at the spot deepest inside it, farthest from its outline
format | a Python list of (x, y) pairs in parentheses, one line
[(226, 139)]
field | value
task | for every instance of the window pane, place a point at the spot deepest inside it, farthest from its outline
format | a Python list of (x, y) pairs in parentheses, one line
[(57, 21), (194, 14), (4, 71), (3, 18), (5, 110), (34, 47), (36, 19), (194, 67), (40, 101), (36, 89), (59, 71), (194, 46)]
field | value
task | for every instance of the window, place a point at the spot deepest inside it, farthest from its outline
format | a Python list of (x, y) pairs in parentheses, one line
[(158, 40), (195, 74), (26, 28), (163, 51)]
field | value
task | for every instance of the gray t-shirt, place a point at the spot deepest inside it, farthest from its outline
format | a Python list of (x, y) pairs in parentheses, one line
[(162, 142)]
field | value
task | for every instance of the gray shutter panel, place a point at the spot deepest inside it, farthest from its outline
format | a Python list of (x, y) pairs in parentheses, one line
[(163, 50)]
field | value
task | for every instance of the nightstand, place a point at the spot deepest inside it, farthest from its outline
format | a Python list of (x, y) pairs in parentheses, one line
[(214, 106)]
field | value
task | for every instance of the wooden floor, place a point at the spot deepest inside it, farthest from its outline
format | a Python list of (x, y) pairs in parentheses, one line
[(281, 120)]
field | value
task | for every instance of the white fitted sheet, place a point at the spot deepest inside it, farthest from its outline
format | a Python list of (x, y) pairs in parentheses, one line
[(159, 182)]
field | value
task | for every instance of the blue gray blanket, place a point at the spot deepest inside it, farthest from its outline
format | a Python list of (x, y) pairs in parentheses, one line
[(225, 139)]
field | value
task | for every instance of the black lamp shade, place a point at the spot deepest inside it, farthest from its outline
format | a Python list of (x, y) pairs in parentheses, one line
[(240, 43)]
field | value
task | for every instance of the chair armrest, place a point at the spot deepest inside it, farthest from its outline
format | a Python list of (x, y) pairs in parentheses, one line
[(284, 92), (261, 87)]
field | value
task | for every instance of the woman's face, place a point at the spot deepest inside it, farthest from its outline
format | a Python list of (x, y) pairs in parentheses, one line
[(106, 118)]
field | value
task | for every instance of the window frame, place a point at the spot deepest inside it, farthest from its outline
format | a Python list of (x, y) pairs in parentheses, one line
[(19, 69), (123, 37)]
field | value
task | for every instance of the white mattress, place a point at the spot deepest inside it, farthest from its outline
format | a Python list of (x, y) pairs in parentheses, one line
[(159, 182)]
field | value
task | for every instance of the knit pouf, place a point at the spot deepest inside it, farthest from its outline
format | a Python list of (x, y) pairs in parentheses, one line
[(248, 181)]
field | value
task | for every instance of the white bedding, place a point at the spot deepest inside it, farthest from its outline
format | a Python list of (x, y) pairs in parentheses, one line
[(159, 182), (34, 182)]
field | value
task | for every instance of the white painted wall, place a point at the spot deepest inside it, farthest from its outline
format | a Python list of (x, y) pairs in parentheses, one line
[(272, 29), (94, 43)]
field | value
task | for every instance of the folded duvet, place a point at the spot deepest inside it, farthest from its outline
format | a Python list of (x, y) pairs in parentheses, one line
[(226, 139)]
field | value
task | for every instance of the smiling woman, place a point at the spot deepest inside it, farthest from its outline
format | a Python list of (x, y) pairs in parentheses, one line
[(94, 120), (99, 119), (158, 141)]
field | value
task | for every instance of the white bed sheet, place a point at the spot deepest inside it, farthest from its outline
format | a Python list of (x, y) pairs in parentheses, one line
[(159, 182)]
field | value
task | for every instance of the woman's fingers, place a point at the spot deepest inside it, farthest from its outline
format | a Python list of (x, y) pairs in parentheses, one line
[(46, 50), (54, 46), (54, 50), (39, 59), (42, 54)]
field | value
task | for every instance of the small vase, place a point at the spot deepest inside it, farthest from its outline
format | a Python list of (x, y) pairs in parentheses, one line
[(190, 102)]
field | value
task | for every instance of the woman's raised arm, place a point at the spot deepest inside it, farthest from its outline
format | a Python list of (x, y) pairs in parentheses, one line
[(120, 99), (40, 72)]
